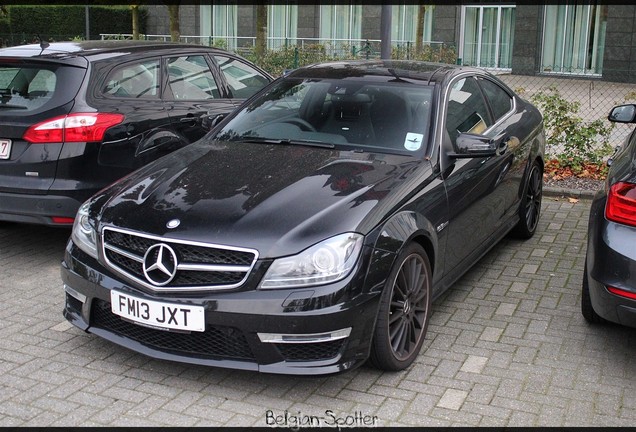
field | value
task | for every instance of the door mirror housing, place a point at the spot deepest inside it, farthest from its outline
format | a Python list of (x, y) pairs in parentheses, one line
[(623, 114), (470, 146)]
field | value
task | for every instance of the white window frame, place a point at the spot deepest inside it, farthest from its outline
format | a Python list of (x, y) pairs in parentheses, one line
[(408, 12), (355, 12), (228, 12), (462, 36), (598, 43), (289, 33)]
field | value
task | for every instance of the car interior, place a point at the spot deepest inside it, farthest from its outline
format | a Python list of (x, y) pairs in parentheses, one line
[(366, 115)]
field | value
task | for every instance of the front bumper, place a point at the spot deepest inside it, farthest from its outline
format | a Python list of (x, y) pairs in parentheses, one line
[(611, 262), (308, 331)]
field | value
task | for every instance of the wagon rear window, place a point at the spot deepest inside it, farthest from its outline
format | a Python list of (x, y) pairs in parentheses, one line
[(26, 88)]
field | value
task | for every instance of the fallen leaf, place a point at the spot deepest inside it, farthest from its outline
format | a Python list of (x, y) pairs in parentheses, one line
[(573, 200)]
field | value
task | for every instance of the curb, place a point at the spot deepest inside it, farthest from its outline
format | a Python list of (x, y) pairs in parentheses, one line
[(573, 193)]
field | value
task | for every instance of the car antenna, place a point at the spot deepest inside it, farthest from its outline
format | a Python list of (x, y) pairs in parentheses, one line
[(43, 44)]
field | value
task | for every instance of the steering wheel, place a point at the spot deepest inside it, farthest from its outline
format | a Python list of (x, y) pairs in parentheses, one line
[(303, 124)]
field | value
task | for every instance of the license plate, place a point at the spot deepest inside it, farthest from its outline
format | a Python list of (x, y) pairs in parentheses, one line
[(170, 316), (5, 148)]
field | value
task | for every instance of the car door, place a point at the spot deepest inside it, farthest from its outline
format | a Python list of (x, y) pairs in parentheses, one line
[(193, 92), (477, 201), (134, 89), (241, 79), (512, 130)]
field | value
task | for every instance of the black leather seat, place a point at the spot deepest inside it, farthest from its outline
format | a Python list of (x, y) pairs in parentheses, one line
[(391, 117)]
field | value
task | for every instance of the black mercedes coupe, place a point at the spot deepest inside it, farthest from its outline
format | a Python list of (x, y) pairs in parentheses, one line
[(311, 229)]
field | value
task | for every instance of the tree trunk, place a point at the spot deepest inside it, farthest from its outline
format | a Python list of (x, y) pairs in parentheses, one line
[(134, 10), (173, 10), (261, 29), (419, 36)]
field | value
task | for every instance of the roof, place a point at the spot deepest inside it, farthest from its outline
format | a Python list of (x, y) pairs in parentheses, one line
[(62, 50), (398, 69)]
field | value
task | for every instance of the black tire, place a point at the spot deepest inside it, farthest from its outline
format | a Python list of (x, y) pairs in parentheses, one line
[(586, 302), (404, 311), (530, 208)]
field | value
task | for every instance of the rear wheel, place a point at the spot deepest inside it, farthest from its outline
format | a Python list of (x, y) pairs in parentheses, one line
[(530, 208), (404, 311)]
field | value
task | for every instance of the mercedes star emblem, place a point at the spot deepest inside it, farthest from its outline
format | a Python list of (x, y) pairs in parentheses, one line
[(173, 223), (160, 264)]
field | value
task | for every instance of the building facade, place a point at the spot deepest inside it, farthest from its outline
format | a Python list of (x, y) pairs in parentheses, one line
[(577, 39)]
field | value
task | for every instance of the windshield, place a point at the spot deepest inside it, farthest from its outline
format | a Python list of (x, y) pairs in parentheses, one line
[(367, 115)]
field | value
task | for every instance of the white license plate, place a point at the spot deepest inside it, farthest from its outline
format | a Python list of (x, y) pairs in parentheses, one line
[(158, 314), (5, 148)]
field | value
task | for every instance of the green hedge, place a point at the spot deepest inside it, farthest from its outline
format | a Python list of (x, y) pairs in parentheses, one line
[(65, 22)]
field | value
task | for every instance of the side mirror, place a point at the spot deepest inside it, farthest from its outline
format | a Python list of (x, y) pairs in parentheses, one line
[(471, 145), (623, 114)]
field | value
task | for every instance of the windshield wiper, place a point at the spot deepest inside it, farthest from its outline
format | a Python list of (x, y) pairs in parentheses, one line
[(311, 143)]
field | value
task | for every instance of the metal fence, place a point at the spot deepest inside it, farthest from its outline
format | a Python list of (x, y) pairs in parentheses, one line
[(594, 96), (332, 47), (595, 99)]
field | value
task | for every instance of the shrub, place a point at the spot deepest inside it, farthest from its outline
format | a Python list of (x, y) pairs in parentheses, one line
[(577, 142), (64, 22), (438, 54), (276, 61)]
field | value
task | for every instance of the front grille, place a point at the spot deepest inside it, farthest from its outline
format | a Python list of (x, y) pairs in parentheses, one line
[(199, 266), (214, 343), (310, 351)]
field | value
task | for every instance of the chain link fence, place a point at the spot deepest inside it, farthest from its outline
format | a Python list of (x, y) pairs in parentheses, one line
[(593, 97)]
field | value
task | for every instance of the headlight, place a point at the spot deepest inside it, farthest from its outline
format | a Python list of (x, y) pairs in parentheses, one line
[(325, 262), (84, 234)]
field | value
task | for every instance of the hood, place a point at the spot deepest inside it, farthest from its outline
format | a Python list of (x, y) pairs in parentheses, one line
[(278, 199)]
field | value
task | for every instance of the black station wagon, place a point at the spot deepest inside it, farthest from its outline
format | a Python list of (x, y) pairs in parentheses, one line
[(74, 117), (310, 230)]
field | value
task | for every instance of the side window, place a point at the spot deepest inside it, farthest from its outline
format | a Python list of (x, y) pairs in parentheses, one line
[(134, 80), (242, 79), (190, 78), (466, 111), (500, 100)]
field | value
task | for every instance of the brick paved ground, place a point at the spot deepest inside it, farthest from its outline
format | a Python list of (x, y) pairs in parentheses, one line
[(507, 346)]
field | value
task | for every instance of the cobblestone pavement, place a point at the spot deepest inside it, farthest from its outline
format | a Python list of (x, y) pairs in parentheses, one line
[(506, 346)]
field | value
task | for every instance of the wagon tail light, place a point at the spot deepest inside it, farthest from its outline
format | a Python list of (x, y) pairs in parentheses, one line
[(77, 127), (621, 203)]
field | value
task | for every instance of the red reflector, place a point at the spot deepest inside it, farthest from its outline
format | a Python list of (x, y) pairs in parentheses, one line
[(621, 203), (62, 220), (76, 127), (620, 292)]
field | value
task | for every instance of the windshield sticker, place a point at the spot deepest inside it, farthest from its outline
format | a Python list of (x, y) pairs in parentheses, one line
[(413, 141)]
